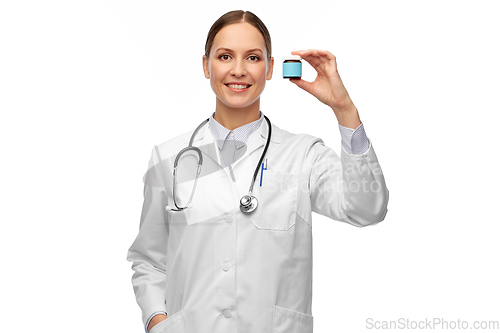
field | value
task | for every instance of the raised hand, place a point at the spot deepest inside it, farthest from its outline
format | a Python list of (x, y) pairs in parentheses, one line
[(328, 87)]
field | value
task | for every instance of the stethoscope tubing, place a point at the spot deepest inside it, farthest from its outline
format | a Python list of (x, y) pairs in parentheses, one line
[(262, 156), (200, 163)]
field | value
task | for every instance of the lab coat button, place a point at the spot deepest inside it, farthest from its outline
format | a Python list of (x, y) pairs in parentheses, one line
[(227, 313), (229, 219), (226, 266)]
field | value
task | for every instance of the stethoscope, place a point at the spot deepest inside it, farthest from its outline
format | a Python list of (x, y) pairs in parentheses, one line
[(248, 203)]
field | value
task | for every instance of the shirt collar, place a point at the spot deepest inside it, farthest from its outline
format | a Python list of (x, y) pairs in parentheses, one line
[(241, 134)]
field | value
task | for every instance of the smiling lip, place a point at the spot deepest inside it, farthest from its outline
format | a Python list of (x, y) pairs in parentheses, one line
[(238, 86)]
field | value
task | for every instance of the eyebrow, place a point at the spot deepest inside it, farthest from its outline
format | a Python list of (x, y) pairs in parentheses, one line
[(229, 50)]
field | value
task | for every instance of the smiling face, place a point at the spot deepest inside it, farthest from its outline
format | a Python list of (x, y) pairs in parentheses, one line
[(238, 67)]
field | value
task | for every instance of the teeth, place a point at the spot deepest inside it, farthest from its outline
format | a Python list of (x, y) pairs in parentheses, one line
[(237, 86)]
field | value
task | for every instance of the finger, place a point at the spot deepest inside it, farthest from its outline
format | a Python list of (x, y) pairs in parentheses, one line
[(322, 55), (324, 62), (319, 60), (326, 54), (319, 57), (312, 53), (307, 86), (315, 53), (329, 58), (304, 54), (310, 56)]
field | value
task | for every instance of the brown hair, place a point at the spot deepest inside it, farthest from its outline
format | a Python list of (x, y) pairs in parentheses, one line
[(238, 16)]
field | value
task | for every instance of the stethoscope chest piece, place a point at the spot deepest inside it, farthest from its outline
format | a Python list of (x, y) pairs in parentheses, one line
[(248, 203)]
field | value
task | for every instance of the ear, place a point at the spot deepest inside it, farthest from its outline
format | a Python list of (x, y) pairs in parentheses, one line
[(269, 73), (205, 67)]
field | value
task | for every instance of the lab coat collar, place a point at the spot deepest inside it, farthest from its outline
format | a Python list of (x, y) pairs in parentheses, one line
[(242, 133), (259, 139), (206, 142), (205, 136)]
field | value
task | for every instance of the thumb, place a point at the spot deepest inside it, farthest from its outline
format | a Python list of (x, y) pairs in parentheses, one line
[(307, 86)]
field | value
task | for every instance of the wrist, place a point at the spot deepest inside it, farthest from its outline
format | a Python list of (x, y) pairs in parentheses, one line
[(156, 320), (348, 116)]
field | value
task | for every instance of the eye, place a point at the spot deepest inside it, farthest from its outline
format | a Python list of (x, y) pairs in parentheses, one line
[(224, 57), (253, 58)]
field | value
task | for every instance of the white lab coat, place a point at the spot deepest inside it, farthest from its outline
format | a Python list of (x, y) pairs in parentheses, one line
[(218, 270)]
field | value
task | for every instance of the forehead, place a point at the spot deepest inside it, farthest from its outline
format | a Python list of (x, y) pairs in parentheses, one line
[(239, 36)]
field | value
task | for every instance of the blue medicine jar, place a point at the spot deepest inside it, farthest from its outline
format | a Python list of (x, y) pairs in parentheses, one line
[(292, 67)]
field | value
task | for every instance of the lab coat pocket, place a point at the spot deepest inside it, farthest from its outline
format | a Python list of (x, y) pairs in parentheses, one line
[(277, 196), (290, 321), (173, 324)]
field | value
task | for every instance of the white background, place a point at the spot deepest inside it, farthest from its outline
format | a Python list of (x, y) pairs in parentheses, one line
[(88, 87)]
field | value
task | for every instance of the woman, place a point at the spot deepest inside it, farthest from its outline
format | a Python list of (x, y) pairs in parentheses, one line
[(215, 263)]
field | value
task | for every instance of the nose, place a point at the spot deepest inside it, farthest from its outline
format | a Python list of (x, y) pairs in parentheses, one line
[(239, 69)]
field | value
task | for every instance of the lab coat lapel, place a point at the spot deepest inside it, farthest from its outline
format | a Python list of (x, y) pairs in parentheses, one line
[(259, 138), (206, 142)]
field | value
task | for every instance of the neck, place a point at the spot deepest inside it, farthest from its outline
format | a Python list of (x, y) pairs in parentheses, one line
[(232, 118)]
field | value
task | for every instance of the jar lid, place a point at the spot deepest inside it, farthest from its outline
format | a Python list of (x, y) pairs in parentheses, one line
[(292, 57)]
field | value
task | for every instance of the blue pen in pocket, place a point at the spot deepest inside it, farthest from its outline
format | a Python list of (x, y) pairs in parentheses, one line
[(262, 171)]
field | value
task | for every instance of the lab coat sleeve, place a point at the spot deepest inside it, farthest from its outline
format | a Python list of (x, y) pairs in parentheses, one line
[(349, 189), (354, 141), (148, 251)]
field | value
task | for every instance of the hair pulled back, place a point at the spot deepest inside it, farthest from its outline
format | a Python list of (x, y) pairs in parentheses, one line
[(238, 16)]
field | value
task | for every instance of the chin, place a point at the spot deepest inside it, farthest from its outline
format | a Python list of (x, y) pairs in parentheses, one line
[(238, 105)]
